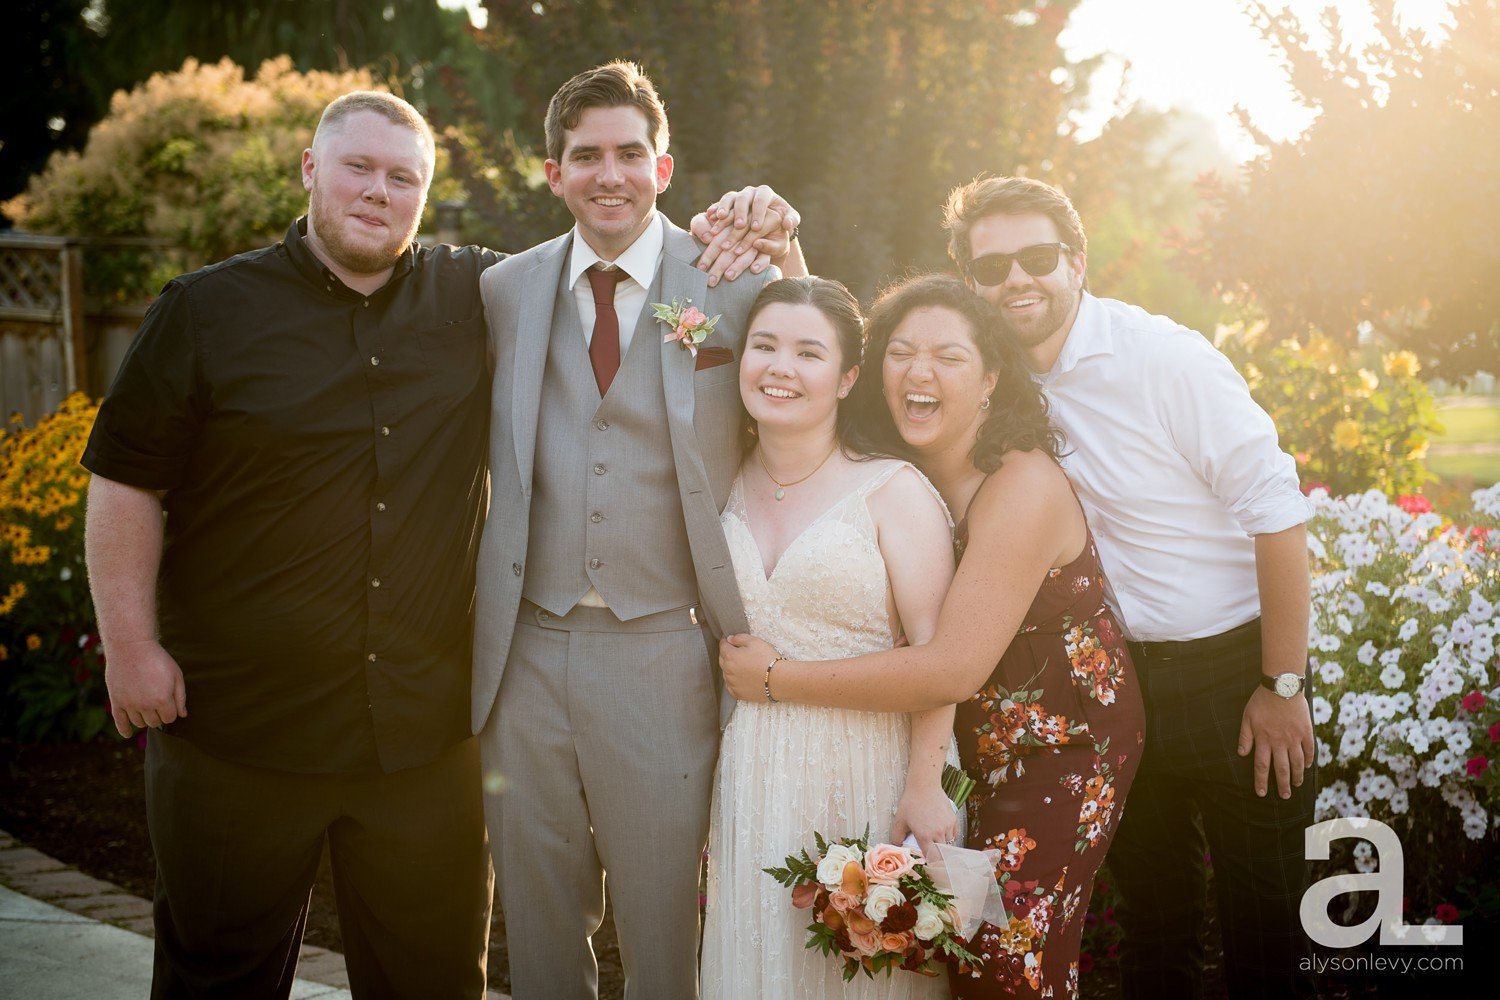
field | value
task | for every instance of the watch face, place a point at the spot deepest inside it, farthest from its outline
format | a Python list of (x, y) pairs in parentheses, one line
[(1287, 685)]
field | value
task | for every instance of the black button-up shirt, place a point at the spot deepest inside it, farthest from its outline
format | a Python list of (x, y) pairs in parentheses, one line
[(322, 454)]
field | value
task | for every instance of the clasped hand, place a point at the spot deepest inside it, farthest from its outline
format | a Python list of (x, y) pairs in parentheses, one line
[(743, 660), (745, 230)]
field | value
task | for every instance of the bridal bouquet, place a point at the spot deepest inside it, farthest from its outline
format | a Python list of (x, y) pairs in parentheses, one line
[(884, 906)]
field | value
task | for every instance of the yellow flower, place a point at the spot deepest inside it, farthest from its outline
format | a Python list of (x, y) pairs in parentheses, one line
[(1346, 435), (1418, 452), (63, 523), (1368, 380), (33, 642), (1402, 364)]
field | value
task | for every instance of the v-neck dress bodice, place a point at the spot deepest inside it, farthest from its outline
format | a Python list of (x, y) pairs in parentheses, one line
[(786, 770)]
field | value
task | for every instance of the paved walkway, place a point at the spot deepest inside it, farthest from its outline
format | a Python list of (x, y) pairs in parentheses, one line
[(64, 935)]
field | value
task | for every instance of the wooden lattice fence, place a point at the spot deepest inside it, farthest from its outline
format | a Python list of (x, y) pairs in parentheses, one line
[(43, 353)]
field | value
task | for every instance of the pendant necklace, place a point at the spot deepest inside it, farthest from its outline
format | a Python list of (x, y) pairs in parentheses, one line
[(781, 487)]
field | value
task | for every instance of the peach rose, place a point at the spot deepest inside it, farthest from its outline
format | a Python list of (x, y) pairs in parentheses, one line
[(885, 864), (691, 316), (843, 901), (896, 942), (865, 942)]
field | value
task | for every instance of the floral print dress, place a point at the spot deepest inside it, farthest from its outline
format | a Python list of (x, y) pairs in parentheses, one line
[(1053, 740)]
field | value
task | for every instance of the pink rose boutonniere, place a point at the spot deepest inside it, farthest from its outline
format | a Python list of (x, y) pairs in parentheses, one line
[(686, 323)]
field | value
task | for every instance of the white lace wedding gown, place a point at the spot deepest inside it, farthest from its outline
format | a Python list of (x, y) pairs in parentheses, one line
[(786, 770)]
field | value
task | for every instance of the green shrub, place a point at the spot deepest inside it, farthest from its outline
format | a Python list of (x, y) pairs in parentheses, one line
[(1353, 423), (203, 158)]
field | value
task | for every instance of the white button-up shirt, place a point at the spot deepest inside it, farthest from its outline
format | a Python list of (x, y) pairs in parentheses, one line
[(1176, 466), (640, 260)]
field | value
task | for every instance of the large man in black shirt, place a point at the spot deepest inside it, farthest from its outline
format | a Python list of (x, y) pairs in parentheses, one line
[(311, 417)]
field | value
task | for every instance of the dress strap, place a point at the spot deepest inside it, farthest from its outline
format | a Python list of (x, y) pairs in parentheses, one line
[(890, 467)]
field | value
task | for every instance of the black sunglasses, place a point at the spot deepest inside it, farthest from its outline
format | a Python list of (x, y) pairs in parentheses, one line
[(1038, 261)]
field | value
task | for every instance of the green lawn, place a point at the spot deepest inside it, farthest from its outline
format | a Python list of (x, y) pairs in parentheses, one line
[(1470, 424), (1469, 429), (1483, 469)]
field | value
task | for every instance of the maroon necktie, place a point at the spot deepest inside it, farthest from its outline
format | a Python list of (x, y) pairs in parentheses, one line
[(604, 346)]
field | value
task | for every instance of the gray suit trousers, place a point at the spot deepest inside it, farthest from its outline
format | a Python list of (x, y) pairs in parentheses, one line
[(605, 734)]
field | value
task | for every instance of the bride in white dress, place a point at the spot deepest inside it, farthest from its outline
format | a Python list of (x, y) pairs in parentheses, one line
[(835, 555)]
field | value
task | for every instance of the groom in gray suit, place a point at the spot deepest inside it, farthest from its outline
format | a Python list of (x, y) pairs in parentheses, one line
[(604, 578)]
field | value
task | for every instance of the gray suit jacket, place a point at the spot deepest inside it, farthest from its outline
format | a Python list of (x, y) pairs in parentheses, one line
[(704, 419)]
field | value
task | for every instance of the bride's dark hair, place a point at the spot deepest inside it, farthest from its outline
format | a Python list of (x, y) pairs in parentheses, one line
[(1017, 417), (839, 306)]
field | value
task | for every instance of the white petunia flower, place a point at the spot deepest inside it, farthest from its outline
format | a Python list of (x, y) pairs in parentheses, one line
[(1393, 677)]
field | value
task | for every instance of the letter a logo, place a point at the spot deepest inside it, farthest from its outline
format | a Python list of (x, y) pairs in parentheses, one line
[(1387, 882)]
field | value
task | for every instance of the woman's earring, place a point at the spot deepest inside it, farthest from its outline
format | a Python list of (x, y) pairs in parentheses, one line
[(984, 404)]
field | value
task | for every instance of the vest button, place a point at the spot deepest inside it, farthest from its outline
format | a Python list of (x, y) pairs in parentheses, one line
[(599, 469), (515, 568), (596, 517), (595, 564), (602, 424)]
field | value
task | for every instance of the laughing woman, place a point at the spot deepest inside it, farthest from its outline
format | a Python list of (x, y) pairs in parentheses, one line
[(835, 553), (1049, 719)]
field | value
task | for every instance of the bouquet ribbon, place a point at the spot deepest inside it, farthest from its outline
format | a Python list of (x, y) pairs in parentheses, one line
[(969, 877)]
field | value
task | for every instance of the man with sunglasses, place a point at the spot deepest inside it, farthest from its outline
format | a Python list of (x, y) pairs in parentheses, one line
[(1200, 523)]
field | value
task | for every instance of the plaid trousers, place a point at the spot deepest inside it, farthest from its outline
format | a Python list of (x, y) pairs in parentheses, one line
[(1194, 793)]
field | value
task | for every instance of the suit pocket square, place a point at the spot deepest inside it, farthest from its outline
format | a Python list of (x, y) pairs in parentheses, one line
[(712, 357)]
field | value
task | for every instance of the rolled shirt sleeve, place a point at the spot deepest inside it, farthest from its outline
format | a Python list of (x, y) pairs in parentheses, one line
[(1227, 439)]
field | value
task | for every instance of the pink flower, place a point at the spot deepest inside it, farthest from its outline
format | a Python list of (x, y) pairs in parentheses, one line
[(1495, 733), (1446, 913), (886, 863), (1473, 701), (693, 317), (1414, 503), (865, 942), (844, 901), (1476, 766)]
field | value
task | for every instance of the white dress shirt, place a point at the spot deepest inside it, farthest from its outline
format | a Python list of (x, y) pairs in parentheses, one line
[(1176, 466), (640, 260)]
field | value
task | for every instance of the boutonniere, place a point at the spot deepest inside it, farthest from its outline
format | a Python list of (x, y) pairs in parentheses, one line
[(686, 323)]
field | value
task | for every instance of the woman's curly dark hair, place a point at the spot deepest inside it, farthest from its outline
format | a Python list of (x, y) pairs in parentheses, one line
[(1017, 417)]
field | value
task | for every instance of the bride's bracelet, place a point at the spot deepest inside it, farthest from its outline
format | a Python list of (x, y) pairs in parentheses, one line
[(767, 684)]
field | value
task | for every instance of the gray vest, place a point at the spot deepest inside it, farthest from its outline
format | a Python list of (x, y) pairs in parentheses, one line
[(605, 506)]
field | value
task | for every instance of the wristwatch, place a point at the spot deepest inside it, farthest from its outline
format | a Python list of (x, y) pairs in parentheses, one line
[(1287, 685)]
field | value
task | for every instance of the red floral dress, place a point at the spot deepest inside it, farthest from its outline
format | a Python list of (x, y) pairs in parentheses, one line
[(1053, 740)]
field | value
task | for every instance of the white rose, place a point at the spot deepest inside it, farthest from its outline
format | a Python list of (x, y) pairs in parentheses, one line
[(831, 868), (929, 921), (880, 899)]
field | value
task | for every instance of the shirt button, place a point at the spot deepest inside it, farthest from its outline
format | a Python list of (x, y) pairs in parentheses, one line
[(367, 303), (515, 568), (379, 506), (371, 657), (599, 469), (375, 582), (595, 564), (385, 432), (602, 424), (375, 361), (596, 517)]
